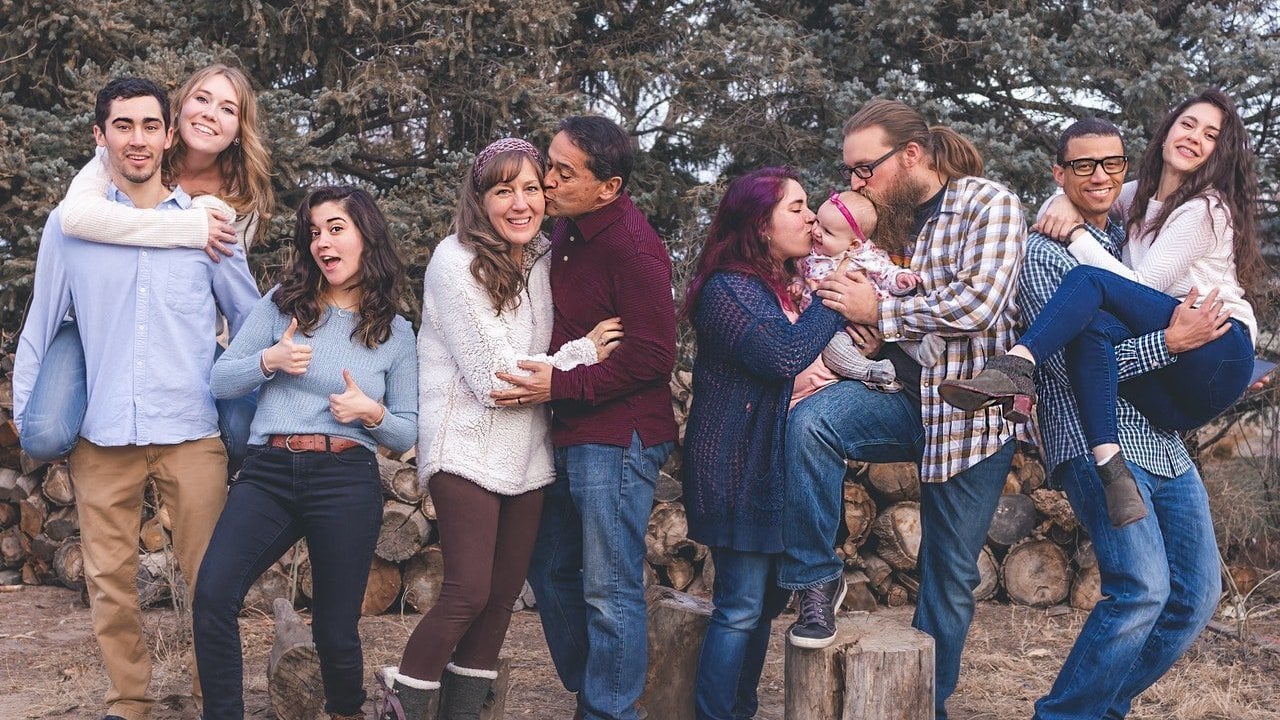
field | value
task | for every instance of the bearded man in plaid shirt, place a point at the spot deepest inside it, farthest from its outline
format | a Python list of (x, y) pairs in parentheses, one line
[(964, 235)]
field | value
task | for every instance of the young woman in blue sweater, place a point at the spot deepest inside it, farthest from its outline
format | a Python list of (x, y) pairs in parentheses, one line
[(337, 369), (757, 355)]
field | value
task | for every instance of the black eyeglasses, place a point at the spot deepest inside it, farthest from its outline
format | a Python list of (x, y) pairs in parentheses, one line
[(1084, 167), (865, 170)]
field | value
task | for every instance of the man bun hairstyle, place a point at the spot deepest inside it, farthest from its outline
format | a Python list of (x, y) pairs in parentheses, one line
[(949, 152)]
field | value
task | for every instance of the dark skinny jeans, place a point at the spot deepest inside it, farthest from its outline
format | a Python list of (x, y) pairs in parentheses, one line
[(1091, 312), (334, 500), (487, 540)]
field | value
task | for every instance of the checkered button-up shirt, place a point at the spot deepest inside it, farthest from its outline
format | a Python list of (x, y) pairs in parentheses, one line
[(1062, 437), (968, 256)]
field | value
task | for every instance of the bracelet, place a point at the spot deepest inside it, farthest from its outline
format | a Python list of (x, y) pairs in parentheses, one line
[(377, 424), (262, 365), (1081, 226)]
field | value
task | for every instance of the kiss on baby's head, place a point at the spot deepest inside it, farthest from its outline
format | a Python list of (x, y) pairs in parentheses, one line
[(845, 221)]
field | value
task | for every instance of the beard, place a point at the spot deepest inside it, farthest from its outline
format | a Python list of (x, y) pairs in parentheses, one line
[(896, 214)]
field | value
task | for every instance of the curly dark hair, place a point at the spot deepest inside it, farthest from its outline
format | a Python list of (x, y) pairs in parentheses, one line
[(381, 269)]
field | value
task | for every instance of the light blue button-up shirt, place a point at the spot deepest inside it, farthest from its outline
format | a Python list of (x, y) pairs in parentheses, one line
[(146, 318)]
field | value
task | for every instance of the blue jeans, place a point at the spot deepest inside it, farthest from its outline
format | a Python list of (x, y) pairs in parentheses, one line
[(1094, 309), (846, 420), (588, 572), (954, 518), (60, 396), (747, 599), (1160, 585), (334, 500)]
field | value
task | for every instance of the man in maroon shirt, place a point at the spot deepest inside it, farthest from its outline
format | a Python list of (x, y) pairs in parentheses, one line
[(613, 425)]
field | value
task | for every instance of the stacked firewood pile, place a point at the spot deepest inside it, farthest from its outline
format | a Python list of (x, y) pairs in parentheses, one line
[(1036, 553)]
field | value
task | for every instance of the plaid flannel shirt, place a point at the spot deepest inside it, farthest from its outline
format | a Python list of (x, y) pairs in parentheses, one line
[(968, 256), (1062, 437)]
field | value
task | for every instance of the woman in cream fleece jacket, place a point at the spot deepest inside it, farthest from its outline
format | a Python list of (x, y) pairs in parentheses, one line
[(486, 307)]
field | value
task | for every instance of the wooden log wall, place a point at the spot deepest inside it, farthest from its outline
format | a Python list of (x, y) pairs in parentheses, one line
[(1036, 552)]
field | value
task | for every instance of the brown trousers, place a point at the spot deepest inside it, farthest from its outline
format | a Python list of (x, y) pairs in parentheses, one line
[(191, 479), (486, 540)]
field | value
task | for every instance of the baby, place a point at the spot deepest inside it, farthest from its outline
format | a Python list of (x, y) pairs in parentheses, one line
[(844, 222)]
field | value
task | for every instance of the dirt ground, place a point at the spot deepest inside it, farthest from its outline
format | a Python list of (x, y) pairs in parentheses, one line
[(50, 666)]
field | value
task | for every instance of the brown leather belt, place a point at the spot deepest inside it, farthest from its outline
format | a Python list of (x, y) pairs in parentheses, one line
[(311, 443)]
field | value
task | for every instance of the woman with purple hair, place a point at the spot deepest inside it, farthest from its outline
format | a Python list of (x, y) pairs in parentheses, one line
[(486, 307), (758, 354)]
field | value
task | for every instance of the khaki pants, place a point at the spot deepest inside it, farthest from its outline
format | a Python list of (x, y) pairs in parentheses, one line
[(191, 479)]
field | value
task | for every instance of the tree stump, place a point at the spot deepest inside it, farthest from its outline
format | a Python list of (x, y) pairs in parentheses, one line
[(895, 482), (898, 529), (1036, 573), (677, 624), (877, 668), (293, 669), (404, 531), (668, 527), (383, 588), (423, 578), (1013, 520)]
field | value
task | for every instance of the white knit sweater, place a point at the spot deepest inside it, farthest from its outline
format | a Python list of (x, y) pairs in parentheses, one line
[(88, 214), (461, 345), (1194, 249)]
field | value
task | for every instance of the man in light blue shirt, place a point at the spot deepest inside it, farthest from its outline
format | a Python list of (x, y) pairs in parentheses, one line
[(1160, 579), (146, 318)]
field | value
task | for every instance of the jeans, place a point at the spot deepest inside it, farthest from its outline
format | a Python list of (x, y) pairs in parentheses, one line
[(1160, 585), (846, 420), (747, 600), (51, 422), (59, 397), (1094, 309), (588, 572), (954, 518), (334, 500)]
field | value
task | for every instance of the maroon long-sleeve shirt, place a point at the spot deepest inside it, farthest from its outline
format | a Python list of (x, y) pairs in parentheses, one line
[(605, 264)]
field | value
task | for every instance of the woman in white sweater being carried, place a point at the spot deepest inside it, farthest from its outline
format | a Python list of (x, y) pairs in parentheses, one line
[(486, 306), (1192, 230)]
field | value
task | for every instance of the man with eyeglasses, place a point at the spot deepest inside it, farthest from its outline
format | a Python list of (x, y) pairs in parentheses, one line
[(1159, 575), (964, 235)]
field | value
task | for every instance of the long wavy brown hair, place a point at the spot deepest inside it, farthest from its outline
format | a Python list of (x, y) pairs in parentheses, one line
[(301, 291), (493, 267), (245, 166), (1229, 170)]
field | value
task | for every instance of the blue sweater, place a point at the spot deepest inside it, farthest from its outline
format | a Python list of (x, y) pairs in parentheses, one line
[(290, 404), (748, 356)]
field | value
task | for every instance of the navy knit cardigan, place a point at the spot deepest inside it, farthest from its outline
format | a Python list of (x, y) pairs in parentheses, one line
[(748, 356)]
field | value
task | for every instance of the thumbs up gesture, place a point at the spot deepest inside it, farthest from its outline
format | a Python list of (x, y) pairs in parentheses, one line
[(287, 355), (352, 404)]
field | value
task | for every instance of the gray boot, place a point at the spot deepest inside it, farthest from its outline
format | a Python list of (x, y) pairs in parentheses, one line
[(463, 692), (406, 698), (1005, 381), (1120, 489)]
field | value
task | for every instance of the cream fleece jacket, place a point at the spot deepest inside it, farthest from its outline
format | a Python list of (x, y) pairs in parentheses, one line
[(461, 345)]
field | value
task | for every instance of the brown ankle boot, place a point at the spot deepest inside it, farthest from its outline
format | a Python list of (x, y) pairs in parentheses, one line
[(1005, 381), (1120, 490)]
